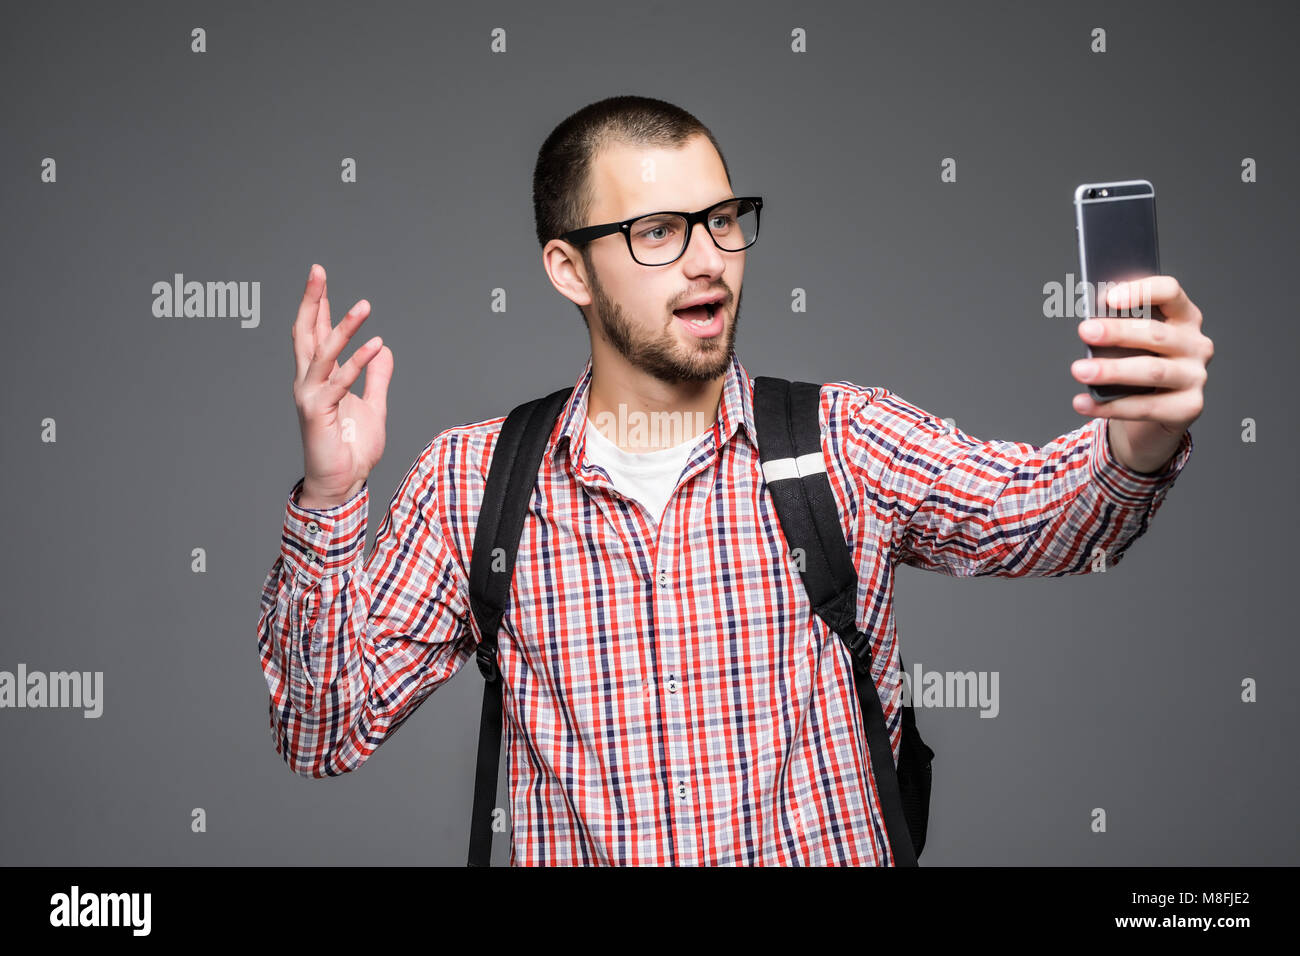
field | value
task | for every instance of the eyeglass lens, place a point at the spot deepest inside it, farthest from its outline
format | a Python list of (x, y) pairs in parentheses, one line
[(658, 238)]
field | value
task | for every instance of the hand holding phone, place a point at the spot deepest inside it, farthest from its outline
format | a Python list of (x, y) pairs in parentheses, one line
[(1116, 223)]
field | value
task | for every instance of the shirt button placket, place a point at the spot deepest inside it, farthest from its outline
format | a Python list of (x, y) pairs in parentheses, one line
[(313, 529), (668, 587)]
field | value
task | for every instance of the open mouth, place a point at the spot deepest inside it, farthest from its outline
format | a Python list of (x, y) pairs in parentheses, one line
[(702, 321), (698, 314)]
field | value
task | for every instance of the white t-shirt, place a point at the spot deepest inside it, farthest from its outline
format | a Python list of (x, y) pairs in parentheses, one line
[(649, 477)]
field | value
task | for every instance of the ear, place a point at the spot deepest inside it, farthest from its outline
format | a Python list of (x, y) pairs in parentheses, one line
[(567, 272)]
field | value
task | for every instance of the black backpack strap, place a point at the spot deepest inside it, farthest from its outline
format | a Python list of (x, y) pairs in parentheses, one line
[(794, 469), (516, 461)]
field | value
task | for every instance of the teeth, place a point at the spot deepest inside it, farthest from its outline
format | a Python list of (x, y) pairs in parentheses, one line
[(712, 310)]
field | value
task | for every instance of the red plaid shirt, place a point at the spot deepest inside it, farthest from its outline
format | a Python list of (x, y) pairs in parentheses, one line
[(670, 696)]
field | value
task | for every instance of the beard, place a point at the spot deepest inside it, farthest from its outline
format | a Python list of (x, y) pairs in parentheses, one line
[(665, 356)]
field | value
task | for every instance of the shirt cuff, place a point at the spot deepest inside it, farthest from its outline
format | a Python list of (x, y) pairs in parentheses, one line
[(1123, 486), (318, 542)]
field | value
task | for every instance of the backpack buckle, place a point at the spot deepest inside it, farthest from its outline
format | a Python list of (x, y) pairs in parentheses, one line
[(860, 649), (487, 663)]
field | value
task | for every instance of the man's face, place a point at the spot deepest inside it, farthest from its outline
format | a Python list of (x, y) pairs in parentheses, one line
[(633, 304)]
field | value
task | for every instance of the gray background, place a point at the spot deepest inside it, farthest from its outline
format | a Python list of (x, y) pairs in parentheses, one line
[(1118, 690)]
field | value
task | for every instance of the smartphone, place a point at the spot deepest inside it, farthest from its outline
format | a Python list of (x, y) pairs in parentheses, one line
[(1116, 223)]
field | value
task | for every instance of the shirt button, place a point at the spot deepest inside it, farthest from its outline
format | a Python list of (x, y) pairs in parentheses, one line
[(681, 791), (663, 579), (315, 559), (313, 527), (672, 684)]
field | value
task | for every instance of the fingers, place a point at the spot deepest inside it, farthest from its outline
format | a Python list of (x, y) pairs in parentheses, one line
[(328, 349), (1175, 406), (323, 313), (303, 329), (1151, 334), (1153, 370), (1164, 291), (378, 374), (347, 373), (377, 360)]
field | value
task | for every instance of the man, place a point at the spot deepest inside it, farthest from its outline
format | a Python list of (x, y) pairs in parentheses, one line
[(670, 696)]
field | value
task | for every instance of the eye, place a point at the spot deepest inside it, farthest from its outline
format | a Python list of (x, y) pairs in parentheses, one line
[(656, 232)]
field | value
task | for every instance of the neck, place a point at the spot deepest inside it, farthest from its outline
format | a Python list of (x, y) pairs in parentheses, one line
[(640, 413)]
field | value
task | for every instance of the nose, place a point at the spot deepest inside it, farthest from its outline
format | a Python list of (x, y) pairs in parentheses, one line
[(710, 247)]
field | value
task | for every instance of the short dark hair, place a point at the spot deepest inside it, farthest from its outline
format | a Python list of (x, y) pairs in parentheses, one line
[(562, 195)]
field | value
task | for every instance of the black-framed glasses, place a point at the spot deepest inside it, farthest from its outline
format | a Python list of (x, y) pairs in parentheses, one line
[(660, 238)]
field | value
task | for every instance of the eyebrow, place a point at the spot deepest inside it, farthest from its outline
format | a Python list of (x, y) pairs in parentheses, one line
[(653, 212)]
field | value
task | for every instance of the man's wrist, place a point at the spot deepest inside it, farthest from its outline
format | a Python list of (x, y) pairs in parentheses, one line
[(311, 500), (1141, 464)]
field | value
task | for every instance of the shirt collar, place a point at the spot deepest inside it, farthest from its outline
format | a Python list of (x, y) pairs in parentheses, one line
[(735, 411)]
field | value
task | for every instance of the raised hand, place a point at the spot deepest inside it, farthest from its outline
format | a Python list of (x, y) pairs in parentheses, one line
[(1146, 430), (342, 434)]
